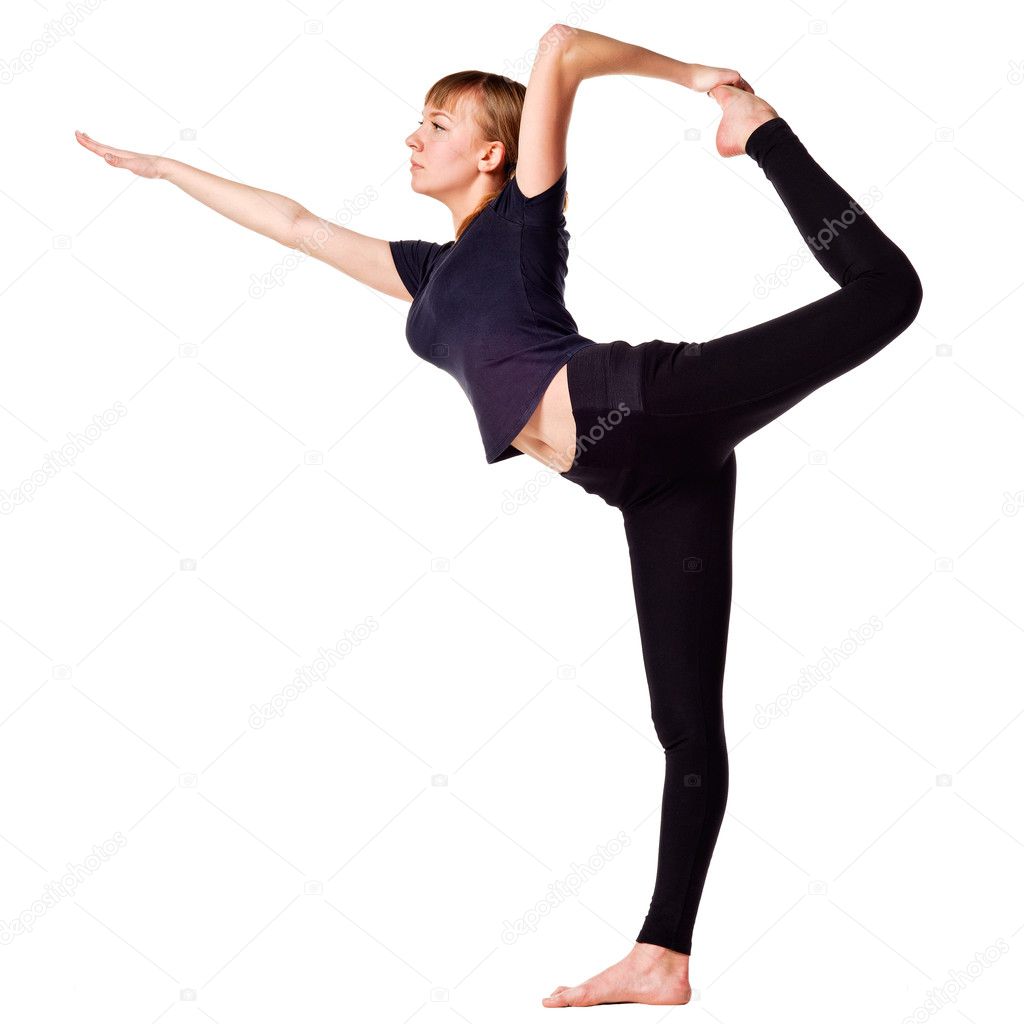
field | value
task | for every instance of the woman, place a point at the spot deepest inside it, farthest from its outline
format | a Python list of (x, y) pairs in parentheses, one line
[(649, 428)]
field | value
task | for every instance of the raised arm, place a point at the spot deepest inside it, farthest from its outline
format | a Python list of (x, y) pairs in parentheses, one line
[(565, 57), (544, 124), (591, 54)]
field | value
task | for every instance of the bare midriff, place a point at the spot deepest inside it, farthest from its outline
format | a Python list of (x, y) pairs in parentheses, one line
[(550, 433)]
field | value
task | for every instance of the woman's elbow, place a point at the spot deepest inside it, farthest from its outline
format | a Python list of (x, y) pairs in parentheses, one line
[(557, 41)]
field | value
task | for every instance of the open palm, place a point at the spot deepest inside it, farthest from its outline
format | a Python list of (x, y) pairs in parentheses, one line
[(138, 163)]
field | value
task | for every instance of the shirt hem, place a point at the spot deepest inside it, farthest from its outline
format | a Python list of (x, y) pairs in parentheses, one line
[(500, 450)]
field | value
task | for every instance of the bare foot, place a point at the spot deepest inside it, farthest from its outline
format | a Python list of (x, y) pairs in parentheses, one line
[(742, 112), (649, 974)]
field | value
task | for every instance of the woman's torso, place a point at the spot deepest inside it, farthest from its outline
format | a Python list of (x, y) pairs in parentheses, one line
[(550, 433), (489, 309)]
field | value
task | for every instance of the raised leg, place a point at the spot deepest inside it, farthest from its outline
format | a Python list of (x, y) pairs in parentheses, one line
[(745, 379)]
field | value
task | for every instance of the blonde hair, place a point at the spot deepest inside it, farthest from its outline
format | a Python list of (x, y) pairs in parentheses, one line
[(496, 103)]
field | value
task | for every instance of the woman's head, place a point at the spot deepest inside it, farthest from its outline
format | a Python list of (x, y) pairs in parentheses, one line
[(470, 126)]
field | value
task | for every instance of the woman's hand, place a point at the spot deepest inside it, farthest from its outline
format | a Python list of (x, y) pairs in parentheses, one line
[(702, 78), (138, 163)]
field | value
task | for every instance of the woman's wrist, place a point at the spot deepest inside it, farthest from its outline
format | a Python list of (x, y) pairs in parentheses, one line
[(684, 74), (165, 167)]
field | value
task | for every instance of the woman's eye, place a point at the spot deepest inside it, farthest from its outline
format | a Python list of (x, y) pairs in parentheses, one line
[(435, 124)]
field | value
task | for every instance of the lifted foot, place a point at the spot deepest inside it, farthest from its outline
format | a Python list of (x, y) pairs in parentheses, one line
[(742, 112)]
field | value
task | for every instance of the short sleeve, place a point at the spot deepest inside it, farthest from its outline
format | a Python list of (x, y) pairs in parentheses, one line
[(543, 210), (414, 259)]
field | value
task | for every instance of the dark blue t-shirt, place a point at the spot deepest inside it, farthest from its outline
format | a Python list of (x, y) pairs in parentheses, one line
[(489, 308)]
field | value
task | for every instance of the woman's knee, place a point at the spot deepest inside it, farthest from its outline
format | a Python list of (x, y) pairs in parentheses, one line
[(900, 294), (890, 298), (683, 723), (908, 293)]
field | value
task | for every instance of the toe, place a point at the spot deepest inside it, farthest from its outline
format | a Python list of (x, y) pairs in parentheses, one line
[(573, 996)]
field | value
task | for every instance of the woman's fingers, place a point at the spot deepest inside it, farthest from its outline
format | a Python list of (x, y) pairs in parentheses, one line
[(138, 163), (98, 147), (704, 79), (737, 81), (734, 81), (90, 144)]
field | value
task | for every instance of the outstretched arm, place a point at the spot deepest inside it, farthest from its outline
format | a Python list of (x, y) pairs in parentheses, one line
[(363, 257)]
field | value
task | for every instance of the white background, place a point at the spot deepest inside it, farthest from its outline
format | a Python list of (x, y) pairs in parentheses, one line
[(364, 852)]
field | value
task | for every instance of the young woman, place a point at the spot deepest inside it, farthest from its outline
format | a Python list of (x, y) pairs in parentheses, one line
[(651, 428)]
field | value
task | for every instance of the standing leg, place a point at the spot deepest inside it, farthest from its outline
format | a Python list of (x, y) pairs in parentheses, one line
[(680, 548)]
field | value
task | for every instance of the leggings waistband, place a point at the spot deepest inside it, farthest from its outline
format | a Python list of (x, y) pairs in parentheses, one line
[(605, 374)]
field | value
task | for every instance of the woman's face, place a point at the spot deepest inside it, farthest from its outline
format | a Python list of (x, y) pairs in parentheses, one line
[(444, 151)]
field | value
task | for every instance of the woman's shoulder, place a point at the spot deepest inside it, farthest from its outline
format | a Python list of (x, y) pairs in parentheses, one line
[(543, 210)]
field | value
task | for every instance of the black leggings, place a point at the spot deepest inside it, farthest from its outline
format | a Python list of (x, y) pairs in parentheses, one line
[(657, 427)]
